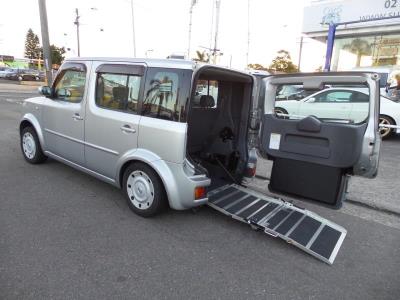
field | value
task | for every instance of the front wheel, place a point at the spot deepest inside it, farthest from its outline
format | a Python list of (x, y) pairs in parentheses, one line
[(30, 146), (385, 131), (144, 190)]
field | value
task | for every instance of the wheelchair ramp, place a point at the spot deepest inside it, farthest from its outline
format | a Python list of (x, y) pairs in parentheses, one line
[(300, 227)]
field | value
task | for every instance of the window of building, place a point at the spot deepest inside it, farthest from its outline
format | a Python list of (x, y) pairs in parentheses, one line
[(70, 85), (118, 91), (162, 94)]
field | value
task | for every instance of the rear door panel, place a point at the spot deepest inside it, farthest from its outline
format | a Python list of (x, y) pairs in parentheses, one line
[(313, 155)]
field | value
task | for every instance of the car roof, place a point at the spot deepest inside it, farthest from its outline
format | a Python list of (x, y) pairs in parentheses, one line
[(159, 63), (150, 62)]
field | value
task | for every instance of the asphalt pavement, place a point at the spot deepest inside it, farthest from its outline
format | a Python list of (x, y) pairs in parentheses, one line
[(66, 235)]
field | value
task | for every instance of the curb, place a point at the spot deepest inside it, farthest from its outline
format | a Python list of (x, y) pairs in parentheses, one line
[(374, 207), (357, 202)]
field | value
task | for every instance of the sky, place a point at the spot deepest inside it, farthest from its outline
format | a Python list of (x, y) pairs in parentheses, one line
[(161, 28)]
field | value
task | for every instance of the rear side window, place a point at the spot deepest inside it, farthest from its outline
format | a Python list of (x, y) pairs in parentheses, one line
[(161, 97), (206, 94), (118, 91)]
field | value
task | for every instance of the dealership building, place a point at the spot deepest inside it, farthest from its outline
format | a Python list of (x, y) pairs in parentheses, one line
[(370, 43)]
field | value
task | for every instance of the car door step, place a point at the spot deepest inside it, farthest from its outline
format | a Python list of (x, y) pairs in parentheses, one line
[(297, 226)]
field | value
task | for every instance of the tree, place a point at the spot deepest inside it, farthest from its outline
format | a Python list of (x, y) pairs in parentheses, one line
[(283, 63), (257, 67), (32, 45), (202, 57), (360, 48), (57, 54)]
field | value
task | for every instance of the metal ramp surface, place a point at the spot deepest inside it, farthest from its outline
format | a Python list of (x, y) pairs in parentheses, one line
[(300, 227)]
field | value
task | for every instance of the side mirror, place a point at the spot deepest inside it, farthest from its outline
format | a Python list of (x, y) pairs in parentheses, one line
[(45, 91), (63, 93)]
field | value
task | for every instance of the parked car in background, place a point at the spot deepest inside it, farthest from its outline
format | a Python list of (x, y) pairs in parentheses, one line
[(345, 103), (24, 74), (4, 71)]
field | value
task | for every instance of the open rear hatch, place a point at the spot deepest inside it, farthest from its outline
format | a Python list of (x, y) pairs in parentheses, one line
[(316, 144)]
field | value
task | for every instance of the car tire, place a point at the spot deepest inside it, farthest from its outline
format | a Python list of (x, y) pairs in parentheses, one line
[(386, 132), (144, 190), (280, 110), (30, 146)]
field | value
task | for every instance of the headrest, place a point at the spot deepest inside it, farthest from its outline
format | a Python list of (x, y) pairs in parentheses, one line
[(207, 101), (120, 93)]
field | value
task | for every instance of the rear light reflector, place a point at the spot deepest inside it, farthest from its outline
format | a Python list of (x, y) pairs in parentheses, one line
[(200, 192), (250, 170)]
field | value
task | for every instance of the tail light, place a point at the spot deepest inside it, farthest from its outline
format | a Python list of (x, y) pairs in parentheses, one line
[(250, 170), (200, 192)]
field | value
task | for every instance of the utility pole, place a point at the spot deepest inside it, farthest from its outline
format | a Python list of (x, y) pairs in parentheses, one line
[(193, 3), (77, 30), (300, 53), (45, 40), (248, 33), (133, 30), (217, 9)]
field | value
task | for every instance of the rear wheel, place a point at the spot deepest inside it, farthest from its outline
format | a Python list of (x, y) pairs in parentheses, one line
[(386, 132), (144, 190), (30, 146)]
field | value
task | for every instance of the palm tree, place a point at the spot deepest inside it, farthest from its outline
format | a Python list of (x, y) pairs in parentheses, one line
[(202, 57), (359, 47)]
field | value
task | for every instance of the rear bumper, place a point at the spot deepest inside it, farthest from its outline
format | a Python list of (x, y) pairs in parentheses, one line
[(180, 186)]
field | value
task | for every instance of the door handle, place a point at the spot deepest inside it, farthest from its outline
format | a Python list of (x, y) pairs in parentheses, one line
[(128, 129), (77, 117)]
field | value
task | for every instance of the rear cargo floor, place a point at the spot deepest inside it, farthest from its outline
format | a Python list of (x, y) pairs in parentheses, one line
[(300, 227)]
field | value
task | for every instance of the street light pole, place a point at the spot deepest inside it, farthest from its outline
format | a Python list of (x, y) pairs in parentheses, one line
[(45, 40), (77, 30), (248, 33), (133, 30), (217, 9), (192, 3)]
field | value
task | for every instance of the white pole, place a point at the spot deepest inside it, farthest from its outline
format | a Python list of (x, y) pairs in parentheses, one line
[(133, 30), (192, 3), (248, 33), (217, 7)]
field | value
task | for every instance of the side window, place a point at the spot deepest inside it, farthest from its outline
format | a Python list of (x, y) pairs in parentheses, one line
[(118, 91), (334, 96), (206, 94), (358, 97), (162, 94), (70, 85)]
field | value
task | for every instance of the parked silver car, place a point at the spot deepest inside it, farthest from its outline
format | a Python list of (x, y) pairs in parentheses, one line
[(140, 125)]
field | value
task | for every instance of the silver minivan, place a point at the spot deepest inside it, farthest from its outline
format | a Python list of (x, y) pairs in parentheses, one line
[(167, 132)]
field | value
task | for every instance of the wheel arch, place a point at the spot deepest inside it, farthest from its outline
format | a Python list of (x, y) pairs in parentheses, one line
[(155, 163), (30, 120), (391, 118)]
